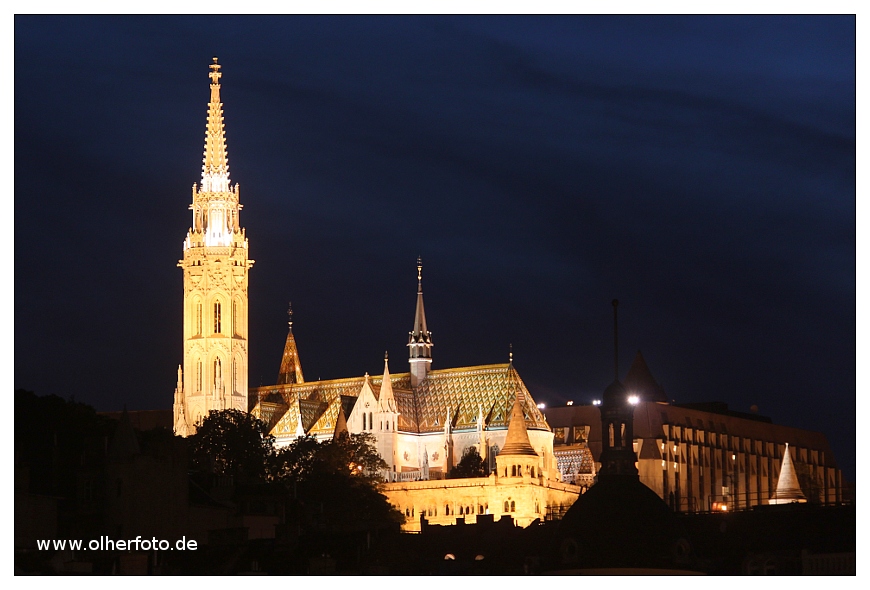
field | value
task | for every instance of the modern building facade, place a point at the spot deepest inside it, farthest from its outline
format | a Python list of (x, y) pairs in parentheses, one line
[(701, 457)]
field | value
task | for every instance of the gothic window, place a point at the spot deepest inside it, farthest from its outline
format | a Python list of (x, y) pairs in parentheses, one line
[(513, 506), (447, 509), (235, 376), (533, 472), (479, 509), (217, 317), (371, 422), (513, 470), (622, 435), (610, 434), (235, 326), (199, 375), (218, 378), (507, 507), (199, 319), (364, 420)]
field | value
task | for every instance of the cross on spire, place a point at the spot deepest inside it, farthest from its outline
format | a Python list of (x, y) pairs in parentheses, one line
[(215, 73)]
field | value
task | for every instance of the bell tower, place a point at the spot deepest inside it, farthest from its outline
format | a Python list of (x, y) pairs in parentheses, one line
[(214, 373)]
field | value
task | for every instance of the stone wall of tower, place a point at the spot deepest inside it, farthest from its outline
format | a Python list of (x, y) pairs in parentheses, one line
[(215, 327)]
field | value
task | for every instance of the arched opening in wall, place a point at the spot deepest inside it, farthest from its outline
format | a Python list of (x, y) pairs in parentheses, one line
[(624, 442), (371, 422), (533, 472), (364, 421), (447, 510), (513, 470), (198, 375), (507, 506), (217, 317), (235, 375), (197, 312), (513, 506), (235, 320), (218, 376), (610, 434)]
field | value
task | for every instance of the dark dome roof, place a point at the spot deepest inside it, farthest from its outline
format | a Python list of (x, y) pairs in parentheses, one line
[(619, 523), (615, 392)]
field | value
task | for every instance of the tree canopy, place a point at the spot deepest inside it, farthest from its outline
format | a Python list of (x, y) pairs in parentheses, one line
[(232, 442), (471, 465)]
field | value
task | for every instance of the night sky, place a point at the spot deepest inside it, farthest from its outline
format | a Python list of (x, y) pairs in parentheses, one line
[(699, 169)]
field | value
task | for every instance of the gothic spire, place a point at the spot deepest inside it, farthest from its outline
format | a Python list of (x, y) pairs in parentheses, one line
[(291, 366), (420, 339), (215, 167), (386, 399)]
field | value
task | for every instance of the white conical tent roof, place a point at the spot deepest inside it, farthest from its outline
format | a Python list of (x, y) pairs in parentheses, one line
[(788, 489)]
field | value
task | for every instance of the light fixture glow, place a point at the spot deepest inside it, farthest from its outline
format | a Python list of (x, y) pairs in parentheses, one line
[(542, 405), (633, 400), (596, 402), (570, 403)]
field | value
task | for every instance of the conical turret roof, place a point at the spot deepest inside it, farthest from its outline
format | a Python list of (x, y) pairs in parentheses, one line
[(517, 440), (639, 381), (788, 489)]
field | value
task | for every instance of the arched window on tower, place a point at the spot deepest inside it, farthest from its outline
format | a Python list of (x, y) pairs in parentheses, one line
[(371, 422), (217, 317), (199, 319), (199, 375), (507, 506), (624, 442), (513, 506), (235, 326), (364, 420), (610, 434), (235, 375)]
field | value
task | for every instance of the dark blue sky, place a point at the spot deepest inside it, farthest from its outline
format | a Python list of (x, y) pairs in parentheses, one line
[(700, 169)]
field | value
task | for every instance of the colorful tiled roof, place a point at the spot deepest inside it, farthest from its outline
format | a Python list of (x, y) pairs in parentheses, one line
[(464, 390)]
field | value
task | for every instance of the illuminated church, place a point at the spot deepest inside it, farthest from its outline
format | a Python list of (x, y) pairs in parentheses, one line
[(423, 420), (697, 457)]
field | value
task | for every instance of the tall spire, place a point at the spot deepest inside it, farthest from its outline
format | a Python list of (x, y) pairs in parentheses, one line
[(420, 339), (215, 167), (291, 366), (215, 267)]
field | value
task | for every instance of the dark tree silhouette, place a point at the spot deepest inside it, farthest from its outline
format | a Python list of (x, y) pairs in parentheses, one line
[(471, 465), (232, 442)]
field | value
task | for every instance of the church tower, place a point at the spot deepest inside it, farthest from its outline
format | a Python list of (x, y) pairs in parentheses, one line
[(215, 265), (419, 339)]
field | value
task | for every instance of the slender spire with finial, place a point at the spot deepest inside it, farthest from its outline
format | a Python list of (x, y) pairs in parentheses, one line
[(215, 166), (419, 274), (291, 366), (386, 399), (419, 339)]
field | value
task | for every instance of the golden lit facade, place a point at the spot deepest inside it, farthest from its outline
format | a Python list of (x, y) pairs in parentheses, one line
[(214, 374)]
